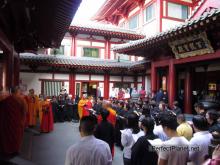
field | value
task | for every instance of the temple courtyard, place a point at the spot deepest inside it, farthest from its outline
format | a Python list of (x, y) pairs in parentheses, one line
[(50, 148)]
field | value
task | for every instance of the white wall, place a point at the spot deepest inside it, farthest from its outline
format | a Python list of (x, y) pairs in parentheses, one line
[(139, 79), (61, 76), (167, 24), (115, 78), (97, 77), (31, 80), (128, 79), (150, 28), (82, 77)]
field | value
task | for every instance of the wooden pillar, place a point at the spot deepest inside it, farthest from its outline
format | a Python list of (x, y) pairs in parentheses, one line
[(72, 84), (107, 48), (153, 78), (188, 92), (106, 86), (73, 46), (172, 83)]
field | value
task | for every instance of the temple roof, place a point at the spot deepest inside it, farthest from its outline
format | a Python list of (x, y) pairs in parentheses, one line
[(113, 10), (208, 18), (105, 30), (39, 23), (78, 62)]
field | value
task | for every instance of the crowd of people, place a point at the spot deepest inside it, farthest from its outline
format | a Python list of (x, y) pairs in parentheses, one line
[(145, 128)]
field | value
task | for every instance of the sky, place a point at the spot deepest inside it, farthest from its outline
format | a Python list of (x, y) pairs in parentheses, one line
[(86, 10)]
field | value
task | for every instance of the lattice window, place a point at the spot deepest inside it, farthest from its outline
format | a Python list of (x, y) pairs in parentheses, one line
[(52, 88)]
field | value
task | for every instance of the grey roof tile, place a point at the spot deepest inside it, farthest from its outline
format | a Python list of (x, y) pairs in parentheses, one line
[(69, 61)]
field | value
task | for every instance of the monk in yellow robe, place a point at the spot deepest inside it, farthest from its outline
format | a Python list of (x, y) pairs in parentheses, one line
[(81, 104), (33, 108)]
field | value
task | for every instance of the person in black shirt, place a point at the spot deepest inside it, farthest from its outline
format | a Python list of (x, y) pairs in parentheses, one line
[(176, 108), (142, 152), (105, 130), (212, 117)]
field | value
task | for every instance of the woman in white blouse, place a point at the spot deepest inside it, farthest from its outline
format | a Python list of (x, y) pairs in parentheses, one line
[(129, 136)]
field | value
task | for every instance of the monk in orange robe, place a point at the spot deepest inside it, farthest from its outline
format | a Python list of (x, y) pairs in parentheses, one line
[(111, 118), (112, 114), (12, 122), (81, 105), (47, 116), (33, 108), (88, 105)]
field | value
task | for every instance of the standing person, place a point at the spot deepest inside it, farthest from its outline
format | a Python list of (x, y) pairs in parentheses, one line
[(200, 109), (142, 93), (176, 108), (184, 129), (98, 105), (159, 96), (82, 102), (105, 131), (13, 110), (89, 150), (47, 117), (98, 92), (171, 155), (127, 95), (158, 129), (201, 139), (113, 93), (87, 106), (142, 151), (33, 108), (212, 118), (121, 94), (165, 97), (112, 114), (127, 137)]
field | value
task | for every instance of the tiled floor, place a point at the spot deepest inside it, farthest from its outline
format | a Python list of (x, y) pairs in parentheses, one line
[(50, 149)]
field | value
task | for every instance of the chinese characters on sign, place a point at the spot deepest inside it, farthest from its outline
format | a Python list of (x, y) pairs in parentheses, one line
[(191, 46)]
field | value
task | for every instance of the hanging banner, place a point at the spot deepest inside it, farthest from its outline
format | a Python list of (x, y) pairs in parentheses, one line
[(191, 46)]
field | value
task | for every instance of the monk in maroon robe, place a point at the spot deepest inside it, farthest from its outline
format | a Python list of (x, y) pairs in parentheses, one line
[(12, 121)]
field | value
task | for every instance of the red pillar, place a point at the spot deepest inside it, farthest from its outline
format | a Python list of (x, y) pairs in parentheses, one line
[(106, 86), (172, 83), (188, 93), (72, 84), (153, 78), (73, 46), (107, 48)]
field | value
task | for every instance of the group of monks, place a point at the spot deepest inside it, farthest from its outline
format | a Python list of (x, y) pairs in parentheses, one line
[(39, 109), (86, 104), (85, 108), (18, 112)]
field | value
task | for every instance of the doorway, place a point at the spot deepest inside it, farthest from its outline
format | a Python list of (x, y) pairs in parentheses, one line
[(89, 88)]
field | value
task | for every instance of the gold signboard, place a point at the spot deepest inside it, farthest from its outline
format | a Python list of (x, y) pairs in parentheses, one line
[(191, 46)]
